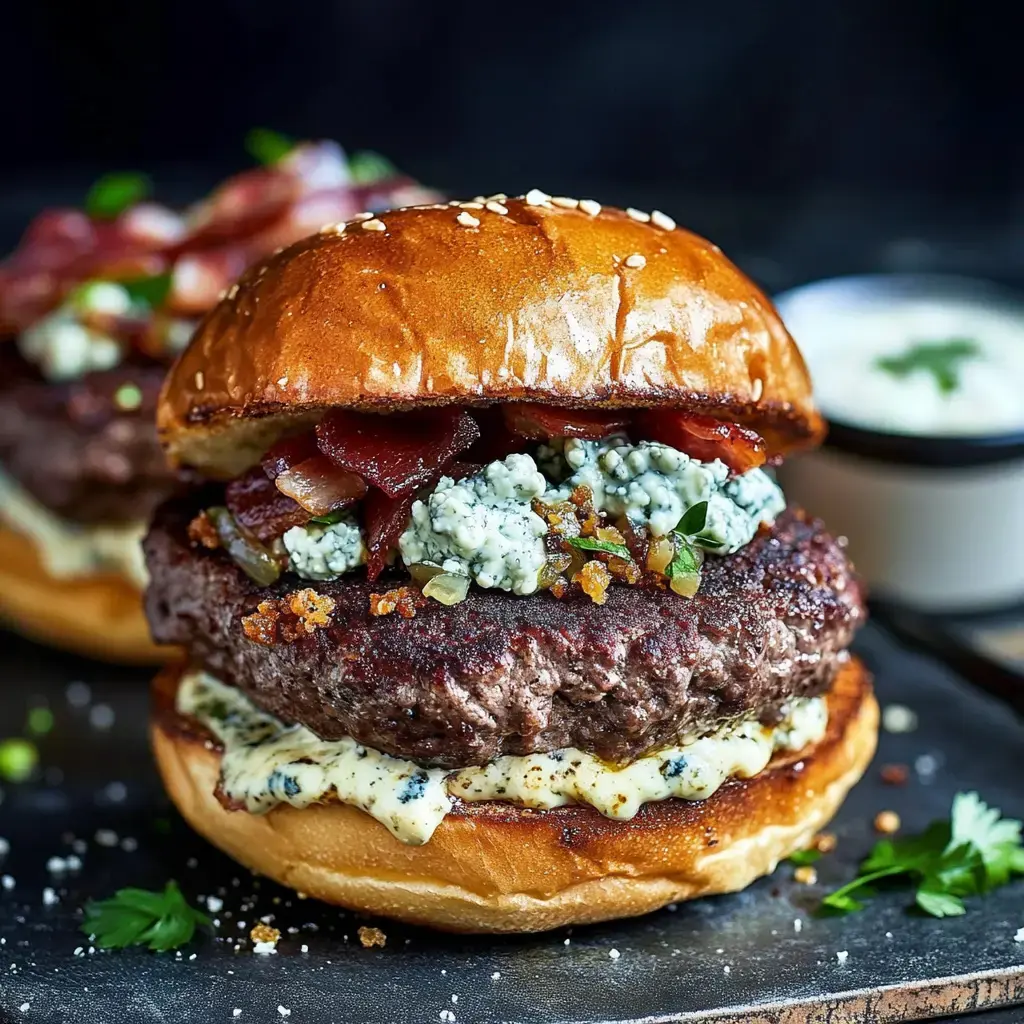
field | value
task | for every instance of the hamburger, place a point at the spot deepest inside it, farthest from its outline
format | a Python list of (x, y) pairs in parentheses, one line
[(94, 305), (496, 619)]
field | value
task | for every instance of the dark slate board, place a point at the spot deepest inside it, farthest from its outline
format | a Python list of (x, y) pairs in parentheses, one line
[(671, 965)]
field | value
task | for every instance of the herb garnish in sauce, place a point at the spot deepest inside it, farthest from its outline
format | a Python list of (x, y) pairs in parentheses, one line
[(942, 359)]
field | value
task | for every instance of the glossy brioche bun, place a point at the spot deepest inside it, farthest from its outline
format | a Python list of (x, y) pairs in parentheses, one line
[(99, 616), (495, 867), (469, 306)]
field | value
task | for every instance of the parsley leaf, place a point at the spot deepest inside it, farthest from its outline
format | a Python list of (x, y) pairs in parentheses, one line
[(138, 917), (685, 561), (976, 851), (330, 518), (694, 519), (802, 857), (941, 359), (365, 168), (151, 290), (114, 193), (593, 544), (268, 147)]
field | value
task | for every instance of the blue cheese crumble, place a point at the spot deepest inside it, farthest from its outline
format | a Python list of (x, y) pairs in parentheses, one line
[(266, 763), (483, 526), (321, 552), (654, 485)]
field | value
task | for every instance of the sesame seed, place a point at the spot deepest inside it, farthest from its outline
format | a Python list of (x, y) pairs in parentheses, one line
[(590, 207), (495, 207), (636, 260), (536, 198), (467, 220), (373, 225), (233, 290), (480, 199), (337, 228), (614, 954), (199, 380), (282, 382), (500, 196), (365, 215), (638, 214), (565, 202), (757, 389), (662, 220), (842, 955), (473, 205)]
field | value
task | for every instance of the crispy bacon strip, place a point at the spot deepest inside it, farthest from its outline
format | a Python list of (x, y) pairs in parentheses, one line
[(259, 507), (705, 438), (540, 422), (398, 453), (384, 518)]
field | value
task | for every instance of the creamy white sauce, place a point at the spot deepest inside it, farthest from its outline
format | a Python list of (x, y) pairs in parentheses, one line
[(266, 762), (70, 550), (843, 336)]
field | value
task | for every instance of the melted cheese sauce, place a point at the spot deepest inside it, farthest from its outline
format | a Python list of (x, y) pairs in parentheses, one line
[(266, 763), (69, 550)]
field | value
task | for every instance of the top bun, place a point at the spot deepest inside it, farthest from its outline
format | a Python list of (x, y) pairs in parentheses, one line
[(537, 299)]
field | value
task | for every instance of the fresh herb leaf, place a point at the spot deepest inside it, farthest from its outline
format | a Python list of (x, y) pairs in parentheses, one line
[(114, 193), (330, 519), (802, 857), (152, 290), (685, 561), (593, 544), (268, 147), (976, 851), (138, 917), (365, 168), (694, 519), (942, 359)]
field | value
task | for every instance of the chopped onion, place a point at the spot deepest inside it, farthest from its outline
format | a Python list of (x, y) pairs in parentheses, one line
[(447, 587), (660, 554), (424, 572)]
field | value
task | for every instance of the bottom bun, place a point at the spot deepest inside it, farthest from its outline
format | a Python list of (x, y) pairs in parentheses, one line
[(100, 616), (496, 867)]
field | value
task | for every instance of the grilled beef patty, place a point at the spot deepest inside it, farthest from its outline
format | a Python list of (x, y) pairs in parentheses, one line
[(501, 674), (71, 447)]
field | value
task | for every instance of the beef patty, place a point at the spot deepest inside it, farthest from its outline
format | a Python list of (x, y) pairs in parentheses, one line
[(70, 446), (501, 674)]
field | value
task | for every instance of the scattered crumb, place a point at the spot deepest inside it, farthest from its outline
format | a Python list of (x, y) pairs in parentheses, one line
[(898, 718), (284, 1011), (214, 904), (105, 837), (614, 954), (303, 948), (24, 1007), (50, 897), (895, 774), (264, 934), (447, 1015), (1019, 936), (115, 792), (797, 924), (842, 956), (497, 974), (926, 766), (7, 882), (372, 937), (824, 842), (129, 844), (887, 822), (888, 935), (806, 875), (455, 998), (236, 1012), (5, 847), (262, 948), (726, 969)]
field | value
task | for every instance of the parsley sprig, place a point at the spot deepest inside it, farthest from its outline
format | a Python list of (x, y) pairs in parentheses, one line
[(138, 917), (268, 147), (942, 359), (593, 544), (974, 852), (114, 193)]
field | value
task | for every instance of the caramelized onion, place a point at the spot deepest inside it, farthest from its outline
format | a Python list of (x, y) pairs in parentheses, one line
[(249, 555), (705, 438), (539, 422), (447, 587)]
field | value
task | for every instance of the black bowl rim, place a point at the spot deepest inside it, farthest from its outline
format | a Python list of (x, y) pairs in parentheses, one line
[(948, 451)]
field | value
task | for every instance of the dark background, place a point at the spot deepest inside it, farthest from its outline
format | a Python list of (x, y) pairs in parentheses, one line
[(806, 137)]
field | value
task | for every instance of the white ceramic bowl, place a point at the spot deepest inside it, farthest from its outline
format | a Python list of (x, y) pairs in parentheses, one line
[(933, 522)]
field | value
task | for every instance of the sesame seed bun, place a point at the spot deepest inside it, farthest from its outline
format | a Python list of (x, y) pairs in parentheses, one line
[(99, 616), (521, 300), (581, 867)]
